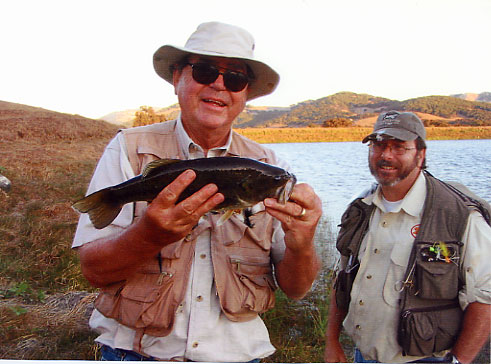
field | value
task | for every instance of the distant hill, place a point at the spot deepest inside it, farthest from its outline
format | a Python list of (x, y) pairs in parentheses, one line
[(362, 109), (352, 108), (357, 109), (483, 96), (124, 117), (251, 116)]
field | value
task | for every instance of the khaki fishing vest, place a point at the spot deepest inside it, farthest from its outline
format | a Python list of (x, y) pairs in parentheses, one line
[(430, 312), (147, 302)]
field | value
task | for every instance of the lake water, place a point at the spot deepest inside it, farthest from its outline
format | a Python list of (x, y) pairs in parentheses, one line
[(338, 171)]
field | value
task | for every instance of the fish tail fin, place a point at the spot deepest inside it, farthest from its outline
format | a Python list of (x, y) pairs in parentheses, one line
[(101, 212)]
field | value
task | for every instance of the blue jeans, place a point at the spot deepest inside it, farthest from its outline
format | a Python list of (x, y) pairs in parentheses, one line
[(360, 359), (110, 354)]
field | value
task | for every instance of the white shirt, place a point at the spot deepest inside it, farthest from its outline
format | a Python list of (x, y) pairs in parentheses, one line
[(201, 331), (384, 253)]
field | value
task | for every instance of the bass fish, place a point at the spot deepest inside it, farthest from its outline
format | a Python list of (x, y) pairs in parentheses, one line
[(244, 182)]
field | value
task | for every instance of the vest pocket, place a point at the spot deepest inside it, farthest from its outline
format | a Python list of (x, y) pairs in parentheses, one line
[(255, 270), (423, 331), (393, 281), (344, 284), (143, 297), (437, 270), (255, 285)]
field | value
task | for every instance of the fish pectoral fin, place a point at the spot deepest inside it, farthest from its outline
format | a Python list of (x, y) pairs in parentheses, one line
[(153, 166), (227, 215)]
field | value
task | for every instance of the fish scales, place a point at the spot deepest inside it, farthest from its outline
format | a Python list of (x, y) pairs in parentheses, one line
[(244, 182)]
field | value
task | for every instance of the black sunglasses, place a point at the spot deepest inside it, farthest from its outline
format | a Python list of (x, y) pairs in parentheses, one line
[(206, 74)]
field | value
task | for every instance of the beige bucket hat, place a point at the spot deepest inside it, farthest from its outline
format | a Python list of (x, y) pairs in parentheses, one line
[(219, 40)]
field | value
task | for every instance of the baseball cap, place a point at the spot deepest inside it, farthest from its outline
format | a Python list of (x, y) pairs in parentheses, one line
[(399, 125)]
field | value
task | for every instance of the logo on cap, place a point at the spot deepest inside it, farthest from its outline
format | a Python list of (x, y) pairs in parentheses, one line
[(390, 115), (390, 118)]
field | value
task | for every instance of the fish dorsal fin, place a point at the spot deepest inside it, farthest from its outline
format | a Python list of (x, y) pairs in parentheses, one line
[(154, 166)]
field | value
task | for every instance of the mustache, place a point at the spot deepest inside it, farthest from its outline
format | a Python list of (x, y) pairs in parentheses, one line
[(385, 163)]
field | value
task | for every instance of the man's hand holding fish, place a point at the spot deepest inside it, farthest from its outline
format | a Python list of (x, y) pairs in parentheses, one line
[(167, 221), (299, 218)]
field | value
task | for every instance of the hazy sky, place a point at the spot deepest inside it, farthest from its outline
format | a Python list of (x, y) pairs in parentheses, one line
[(94, 57)]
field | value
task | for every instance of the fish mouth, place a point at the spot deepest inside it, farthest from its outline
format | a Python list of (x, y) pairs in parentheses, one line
[(285, 191)]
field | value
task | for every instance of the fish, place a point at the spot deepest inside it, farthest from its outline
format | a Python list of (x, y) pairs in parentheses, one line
[(244, 182)]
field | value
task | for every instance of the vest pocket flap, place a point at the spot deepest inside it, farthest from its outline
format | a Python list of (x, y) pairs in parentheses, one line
[(250, 265), (146, 285), (263, 280), (172, 251), (140, 293), (436, 268), (147, 149), (437, 271)]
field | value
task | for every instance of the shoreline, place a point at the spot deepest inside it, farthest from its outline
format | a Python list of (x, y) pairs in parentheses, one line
[(353, 134)]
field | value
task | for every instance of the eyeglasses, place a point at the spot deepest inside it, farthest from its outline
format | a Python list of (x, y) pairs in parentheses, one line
[(206, 74), (379, 147)]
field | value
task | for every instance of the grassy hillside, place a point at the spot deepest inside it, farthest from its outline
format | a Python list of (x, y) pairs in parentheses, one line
[(353, 109), (434, 110), (49, 158)]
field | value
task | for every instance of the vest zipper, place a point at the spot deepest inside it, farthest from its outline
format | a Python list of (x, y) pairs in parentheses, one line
[(162, 274), (409, 311), (239, 262)]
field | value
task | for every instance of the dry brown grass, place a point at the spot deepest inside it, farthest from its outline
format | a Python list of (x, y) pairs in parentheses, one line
[(49, 158), (354, 134), (56, 329)]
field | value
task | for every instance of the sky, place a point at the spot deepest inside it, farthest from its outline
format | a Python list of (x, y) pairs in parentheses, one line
[(94, 57)]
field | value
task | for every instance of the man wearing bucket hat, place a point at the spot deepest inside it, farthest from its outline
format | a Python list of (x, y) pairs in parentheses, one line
[(413, 281), (174, 285)]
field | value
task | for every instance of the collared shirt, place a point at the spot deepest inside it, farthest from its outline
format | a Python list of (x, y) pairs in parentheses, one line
[(201, 331), (374, 310)]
